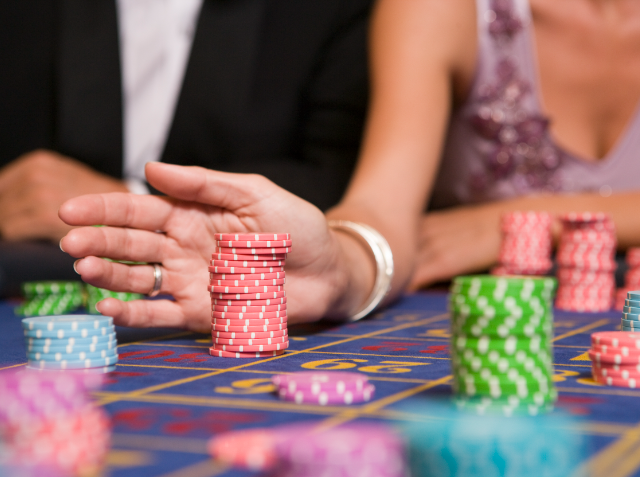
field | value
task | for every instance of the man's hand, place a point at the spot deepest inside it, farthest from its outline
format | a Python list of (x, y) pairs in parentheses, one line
[(455, 242), (33, 187), (178, 233)]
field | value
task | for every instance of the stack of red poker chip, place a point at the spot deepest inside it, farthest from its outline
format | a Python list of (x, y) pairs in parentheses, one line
[(586, 262), (526, 244), (631, 278), (248, 302), (615, 358)]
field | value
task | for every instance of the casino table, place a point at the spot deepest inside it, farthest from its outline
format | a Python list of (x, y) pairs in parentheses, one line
[(168, 396)]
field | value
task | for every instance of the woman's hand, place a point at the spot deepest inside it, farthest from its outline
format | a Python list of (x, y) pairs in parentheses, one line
[(455, 242), (178, 233)]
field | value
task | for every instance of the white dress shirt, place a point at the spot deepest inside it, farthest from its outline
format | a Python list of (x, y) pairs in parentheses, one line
[(155, 41)]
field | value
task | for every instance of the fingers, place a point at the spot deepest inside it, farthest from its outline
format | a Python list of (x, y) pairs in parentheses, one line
[(117, 209), (118, 276), (148, 313), (115, 243), (221, 189)]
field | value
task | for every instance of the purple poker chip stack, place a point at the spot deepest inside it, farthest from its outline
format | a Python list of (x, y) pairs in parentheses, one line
[(49, 425), (324, 387), (353, 450)]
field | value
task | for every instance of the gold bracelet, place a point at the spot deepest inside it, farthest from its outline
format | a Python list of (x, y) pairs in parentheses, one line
[(384, 261)]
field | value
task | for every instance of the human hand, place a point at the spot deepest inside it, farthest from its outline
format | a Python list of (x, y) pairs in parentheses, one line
[(201, 203), (457, 241), (33, 187)]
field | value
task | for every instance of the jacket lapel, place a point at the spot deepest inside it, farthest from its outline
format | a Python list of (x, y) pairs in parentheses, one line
[(89, 110)]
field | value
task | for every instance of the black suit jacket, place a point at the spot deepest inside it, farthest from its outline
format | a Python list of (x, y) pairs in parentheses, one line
[(275, 87)]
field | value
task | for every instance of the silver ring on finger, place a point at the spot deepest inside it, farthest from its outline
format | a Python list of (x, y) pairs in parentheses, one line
[(157, 280)]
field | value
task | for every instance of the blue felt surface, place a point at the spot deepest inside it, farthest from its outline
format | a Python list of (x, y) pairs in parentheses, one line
[(168, 396)]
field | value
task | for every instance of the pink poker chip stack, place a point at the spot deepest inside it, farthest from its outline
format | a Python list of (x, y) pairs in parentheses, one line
[(526, 244), (324, 388), (631, 278), (615, 358), (586, 262), (49, 426), (248, 301)]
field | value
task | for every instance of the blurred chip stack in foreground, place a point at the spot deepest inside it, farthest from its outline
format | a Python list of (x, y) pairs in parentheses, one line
[(501, 352), (450, 443), (631, 277), (631, 312), (324, 387), (248, 301), (308, 450), (586, 262), (526, 244), (48, 425)]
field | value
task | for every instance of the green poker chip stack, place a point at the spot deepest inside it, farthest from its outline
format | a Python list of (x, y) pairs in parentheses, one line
[(501, 351), (95, 295), (47, 298), (51, 298)]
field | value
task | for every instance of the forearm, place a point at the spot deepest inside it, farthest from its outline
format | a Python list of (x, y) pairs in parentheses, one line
[(623, 208)]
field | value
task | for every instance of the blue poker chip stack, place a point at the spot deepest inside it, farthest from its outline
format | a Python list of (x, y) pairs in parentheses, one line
[(443, 441), (631, 312), (71, 342)]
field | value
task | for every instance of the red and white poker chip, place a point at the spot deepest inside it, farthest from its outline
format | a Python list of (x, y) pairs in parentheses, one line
[(229, 354), (267, 302), (255, 236), (245, 276), (248, 329), (616, 339), (252, 289), (250, 341), (254, 243), (249, 334), (248, 309), (247, 296), (247, 283), (248, 315), (251, 349), (255, 251), (247, 263), (240, 270), (250, 257), (249, 322)]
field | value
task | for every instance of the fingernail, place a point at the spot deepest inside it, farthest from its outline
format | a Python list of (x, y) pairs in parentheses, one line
[(60, 244), (74, 265)]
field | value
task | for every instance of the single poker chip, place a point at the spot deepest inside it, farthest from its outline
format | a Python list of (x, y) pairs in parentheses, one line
[(248, 309), (615, 373), (40, 288), (247, 283), (98, 370), (229, 354), (267, 302), (78, 364), (631, 368), (249, 316), (248, 296), (263, 263), (572, 276), (613, 358), (248, 329), (618, 382), (251, 349), (631, 316), (630, 309), (584, 217), (67, 322), (623, 350), (509, 345), (62, 333), (577, 292), (328, 398), (633, 295), (69, 341), (77, 356), (254, 243), (255, 251), (264, 322), (615, 339), (256, 236), (235, 257), (252, 449), (239, 270), (316, 381), (250, 341), (68, 349), (244, 335), (245, 276), (262, 289)]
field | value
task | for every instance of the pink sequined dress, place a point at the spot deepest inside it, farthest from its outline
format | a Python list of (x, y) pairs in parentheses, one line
[(498, 144)]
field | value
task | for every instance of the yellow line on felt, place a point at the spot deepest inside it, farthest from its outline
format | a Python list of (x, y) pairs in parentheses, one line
[(13, 366), (354, 413), (588, 327), (178, 382), (603, 464), (206, 468)]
